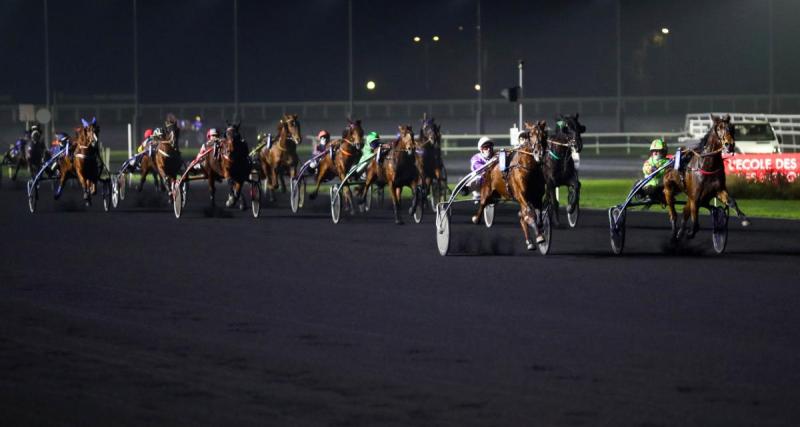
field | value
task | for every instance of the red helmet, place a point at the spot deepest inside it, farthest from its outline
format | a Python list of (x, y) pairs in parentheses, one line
[(323, 134), (148, 133), (211, 132)]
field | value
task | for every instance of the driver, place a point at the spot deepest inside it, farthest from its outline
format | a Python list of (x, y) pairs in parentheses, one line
[(658, 158), (485, 152), (148, 137), (323, 137)]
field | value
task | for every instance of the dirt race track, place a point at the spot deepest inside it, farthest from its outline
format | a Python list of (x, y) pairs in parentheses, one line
[(135, 318)]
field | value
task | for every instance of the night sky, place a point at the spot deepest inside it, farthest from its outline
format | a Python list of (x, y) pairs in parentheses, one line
[(297, 50)]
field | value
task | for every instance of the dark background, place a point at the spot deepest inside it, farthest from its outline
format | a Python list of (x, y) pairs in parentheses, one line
[(297, 51)]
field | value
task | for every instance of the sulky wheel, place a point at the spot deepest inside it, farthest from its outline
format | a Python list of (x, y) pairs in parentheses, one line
[(719, 233), (336, 204), (107, 195), (616, 226), (488, 215), (573, 208), (442, 230), (33, 196), (547, 233), (177, 199), (420, 208), (302, 189), (255, 198), (294, 194)]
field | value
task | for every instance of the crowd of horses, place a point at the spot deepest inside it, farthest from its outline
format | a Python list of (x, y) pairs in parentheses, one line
[(529, 174)]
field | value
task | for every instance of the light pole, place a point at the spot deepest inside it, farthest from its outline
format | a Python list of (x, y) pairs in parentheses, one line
[(236, 59), (350, 57), (135, 69), (479, 85), (47, 72), (771, 60), (620, 126)]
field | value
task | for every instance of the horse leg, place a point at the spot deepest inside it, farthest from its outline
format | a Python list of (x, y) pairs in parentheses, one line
[(417, 193), (85, 186), (575, 185), (396, 192), (211, 189), (61, 178), (731, 203), (669, 199), (16, 171), (486, 191), (687, 215)]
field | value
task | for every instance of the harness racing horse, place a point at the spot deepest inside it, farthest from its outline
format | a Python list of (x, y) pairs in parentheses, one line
[(280, 158), (559, 167), (147, 165), (82, 162), (432, 174), (343, 154), (523, 181), (703, 178), (229, 160), (168, 160), (398, 168)]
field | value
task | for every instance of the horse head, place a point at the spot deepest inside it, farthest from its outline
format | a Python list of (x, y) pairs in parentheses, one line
[(354, 133), (429, 131), (572, 129), (405, 140), (722, 129), (87, 134), (535, 139), (291, 124)]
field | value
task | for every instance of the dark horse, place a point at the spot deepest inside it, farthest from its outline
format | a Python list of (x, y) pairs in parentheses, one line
[(432, 174), (523, 181), (168, 160), (82, 161), (342, 155), (703, 179), (397, 167), (558, 165), (230, 161), (280, 158)]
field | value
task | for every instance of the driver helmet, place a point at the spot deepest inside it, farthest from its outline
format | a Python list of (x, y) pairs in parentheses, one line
[(323, 136), (148, 133), (212, 133), (373, 139), (62, 137), (487, 143), (157, 132), (658, 145)]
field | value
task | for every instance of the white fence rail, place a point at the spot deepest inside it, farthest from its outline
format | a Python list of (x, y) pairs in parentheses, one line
[(632, 142)]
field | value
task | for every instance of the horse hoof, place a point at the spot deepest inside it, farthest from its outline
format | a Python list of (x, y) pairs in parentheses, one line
[(529, 245), (539, 239), (745, 223), (475, 219), (398, 222)]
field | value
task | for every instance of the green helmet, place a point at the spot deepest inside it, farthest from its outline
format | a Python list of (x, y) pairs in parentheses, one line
[(372, 136), (658, 145)]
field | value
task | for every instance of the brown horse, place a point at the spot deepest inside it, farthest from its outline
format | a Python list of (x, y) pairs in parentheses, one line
[(397, 167), (230, 161), (343, 154), (147, 166), (429, 157), (523, 182), (280, 158), (168, 160), (82, 162), (703, 178)]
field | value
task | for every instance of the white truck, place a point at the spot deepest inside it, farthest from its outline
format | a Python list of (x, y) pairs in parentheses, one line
[(754, 133)]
